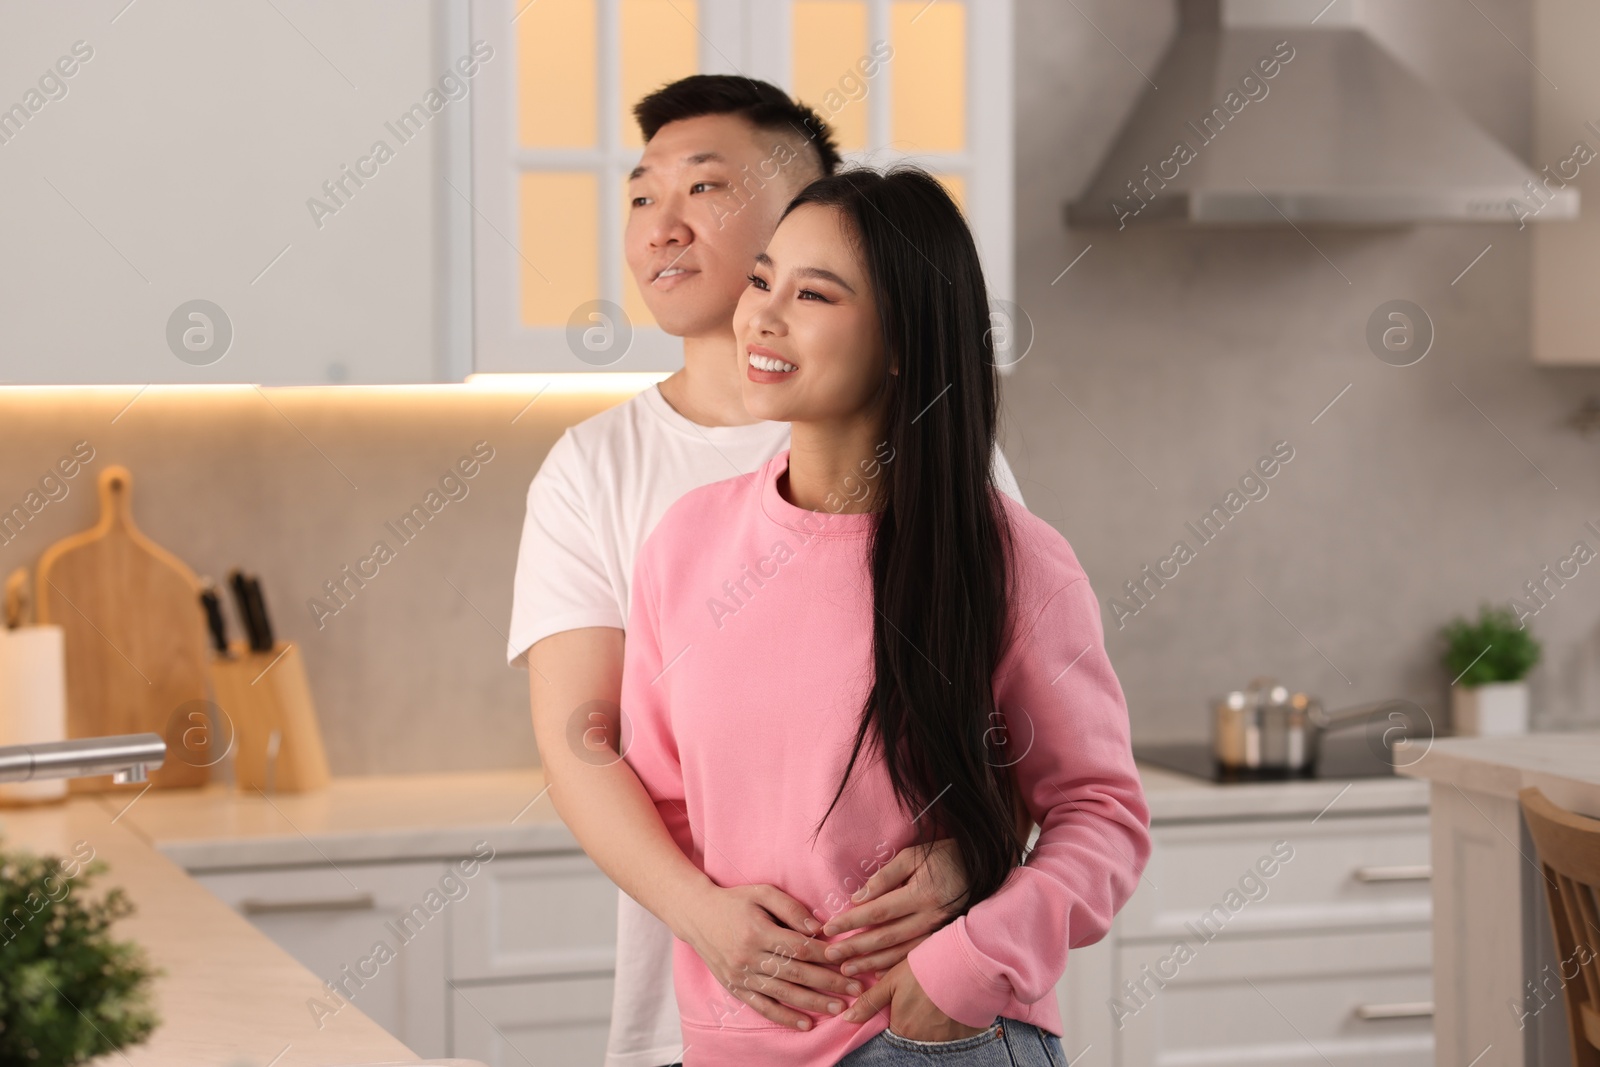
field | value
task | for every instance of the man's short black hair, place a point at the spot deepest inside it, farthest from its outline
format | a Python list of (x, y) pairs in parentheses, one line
[(762, 104)]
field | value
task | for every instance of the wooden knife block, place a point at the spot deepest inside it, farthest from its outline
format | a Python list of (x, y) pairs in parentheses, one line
[(260, 692)]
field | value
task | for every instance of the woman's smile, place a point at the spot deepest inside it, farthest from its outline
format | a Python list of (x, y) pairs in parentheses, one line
[(766, 366)]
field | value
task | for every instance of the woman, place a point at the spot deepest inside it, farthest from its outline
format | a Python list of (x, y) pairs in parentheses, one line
[(867, 630)]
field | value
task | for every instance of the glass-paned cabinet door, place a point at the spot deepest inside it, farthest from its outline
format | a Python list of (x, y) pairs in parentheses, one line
[(554, 139), (909, 80)]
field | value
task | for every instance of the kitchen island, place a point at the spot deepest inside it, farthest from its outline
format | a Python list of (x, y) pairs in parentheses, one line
[(1497, 992), (229, 996)]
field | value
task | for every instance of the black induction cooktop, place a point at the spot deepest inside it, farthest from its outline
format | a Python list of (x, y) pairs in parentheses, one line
[(1341, 758)]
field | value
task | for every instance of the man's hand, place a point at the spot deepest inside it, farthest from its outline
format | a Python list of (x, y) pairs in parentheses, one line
[(904, 899), (911, 1013), (749, 936)]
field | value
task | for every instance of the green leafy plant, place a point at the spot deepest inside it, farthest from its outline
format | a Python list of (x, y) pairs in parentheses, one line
[(68, 991), (1494, 649)]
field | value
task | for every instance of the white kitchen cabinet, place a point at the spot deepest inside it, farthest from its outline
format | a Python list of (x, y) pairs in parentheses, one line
[(1329, 964), (550, 1020), (1343, 873), (553, 143), (523, 959), (536, 916), (1565, 271), (1355, 998), (194, 154), (1327, 960), (331, 920)]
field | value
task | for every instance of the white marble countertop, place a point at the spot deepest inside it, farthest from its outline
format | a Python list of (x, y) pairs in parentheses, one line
[(369, 818), (229, 995), (417, 816), (1565, 766)]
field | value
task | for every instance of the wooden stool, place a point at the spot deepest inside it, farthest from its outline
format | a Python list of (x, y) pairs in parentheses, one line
[(1569, 855)]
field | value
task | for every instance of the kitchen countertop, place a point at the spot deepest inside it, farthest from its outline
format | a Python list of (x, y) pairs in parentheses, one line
[(369, 818), (1565, 766), (415, 816), (229, 995)]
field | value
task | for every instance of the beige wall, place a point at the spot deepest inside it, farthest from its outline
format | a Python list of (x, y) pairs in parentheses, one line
[(1194, 351)]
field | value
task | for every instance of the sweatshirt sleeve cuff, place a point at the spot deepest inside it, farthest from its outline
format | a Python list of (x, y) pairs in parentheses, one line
[(944, 967)]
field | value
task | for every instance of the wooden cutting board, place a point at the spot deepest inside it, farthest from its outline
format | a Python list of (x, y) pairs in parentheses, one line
[(135, 638)]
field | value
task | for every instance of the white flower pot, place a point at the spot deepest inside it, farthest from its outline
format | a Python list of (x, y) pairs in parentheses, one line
[(1498, 709)]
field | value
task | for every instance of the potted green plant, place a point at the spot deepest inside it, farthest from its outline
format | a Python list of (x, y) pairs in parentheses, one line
[(68, 990), (1489, 661)]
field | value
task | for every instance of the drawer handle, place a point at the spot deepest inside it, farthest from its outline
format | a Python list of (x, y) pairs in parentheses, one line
[(1418, 1009), (1419, 872), (358, 902)]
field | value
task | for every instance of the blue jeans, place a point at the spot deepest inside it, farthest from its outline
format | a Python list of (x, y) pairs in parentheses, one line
[(1007, 1043)]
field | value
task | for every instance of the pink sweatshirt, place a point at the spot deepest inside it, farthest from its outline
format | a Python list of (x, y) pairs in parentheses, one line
[(747, 663)]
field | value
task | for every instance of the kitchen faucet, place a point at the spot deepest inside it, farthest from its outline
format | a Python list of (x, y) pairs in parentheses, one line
[(126, 757)]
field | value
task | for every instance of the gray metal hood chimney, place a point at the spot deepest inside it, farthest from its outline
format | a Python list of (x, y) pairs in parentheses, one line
[(1257, 123)]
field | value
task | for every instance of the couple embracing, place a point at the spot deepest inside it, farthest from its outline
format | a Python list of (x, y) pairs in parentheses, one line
[(864, 775)]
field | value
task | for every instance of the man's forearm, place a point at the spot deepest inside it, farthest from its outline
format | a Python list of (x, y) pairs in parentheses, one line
[(612, 816), (594, 790)]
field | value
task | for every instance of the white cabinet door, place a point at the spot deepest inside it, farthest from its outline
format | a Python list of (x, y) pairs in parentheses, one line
[(534, 916), (1327, 1000), (172, 171), (553, 1020), (335, 920)]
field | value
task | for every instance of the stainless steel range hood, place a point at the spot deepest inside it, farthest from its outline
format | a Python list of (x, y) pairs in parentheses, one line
[(1338, 133)]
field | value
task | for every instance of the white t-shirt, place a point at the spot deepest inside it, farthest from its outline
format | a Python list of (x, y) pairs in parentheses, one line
[(601, 490)]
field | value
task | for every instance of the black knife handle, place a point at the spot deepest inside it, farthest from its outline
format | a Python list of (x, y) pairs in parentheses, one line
[(263, 623), (214, 620), (241, 601)]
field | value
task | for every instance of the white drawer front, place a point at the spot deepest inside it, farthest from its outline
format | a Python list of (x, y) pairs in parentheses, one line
[(332, 920), (1331, 999), (535, 916), (1332, 873), (553, 1020)]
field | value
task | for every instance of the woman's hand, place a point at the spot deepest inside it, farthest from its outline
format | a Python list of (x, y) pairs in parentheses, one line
[(907, 897), (911, 1013), (750, 936)]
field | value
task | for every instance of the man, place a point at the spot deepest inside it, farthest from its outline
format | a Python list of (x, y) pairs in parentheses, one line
[(723, 156)]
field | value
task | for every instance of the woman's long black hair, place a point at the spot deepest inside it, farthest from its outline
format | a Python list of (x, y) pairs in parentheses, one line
[(941, 545)]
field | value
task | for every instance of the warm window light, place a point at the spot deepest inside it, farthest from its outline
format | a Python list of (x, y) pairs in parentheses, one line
[(570, 382), (126, 389)]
